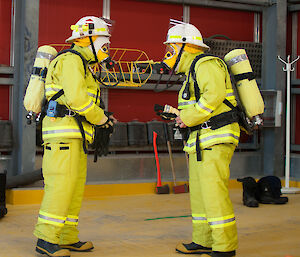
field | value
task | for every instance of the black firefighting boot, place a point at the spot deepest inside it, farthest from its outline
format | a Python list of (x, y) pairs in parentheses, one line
[(193, 248), (79, 246), (222, 254), (3, 210), (53, 250), (250, 189), (269, 191)]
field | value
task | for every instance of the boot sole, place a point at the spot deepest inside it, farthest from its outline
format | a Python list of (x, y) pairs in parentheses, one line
[(77, 250), (195, 252), (41, 251)]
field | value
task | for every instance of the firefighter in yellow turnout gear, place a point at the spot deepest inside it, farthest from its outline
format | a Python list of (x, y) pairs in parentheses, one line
[(214, 134), (71, 85)]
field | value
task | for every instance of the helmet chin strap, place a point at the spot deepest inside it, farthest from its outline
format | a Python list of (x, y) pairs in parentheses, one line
[(109, 62), (93, 49), (176, 63)]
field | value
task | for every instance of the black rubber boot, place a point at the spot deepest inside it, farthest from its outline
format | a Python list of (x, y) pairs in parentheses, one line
[(269, 191), (192, 248), (250, 189), (223, 254), (53, 250), (3, 210), (79, 246)]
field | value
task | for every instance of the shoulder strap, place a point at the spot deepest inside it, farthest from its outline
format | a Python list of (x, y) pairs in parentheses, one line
[(57, 95), (193, 74), (84, 61), (197, 58)]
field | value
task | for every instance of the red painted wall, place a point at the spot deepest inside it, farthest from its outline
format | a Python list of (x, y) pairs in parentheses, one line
[(237, 25), (57, 16), (138, 104), (5, 27), (137, 27)]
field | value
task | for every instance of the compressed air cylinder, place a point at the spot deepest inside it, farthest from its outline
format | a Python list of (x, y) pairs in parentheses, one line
[(35, 89), (248, 91)]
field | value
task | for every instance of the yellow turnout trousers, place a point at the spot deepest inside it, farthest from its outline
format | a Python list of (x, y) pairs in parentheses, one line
[(64, 171), (212, 213)]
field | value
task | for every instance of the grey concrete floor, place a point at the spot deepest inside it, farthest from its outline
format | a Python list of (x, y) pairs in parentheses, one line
[(117, 226)]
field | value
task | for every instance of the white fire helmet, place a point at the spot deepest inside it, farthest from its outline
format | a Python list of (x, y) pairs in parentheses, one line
[(89, 26), (184, 33), (99, 29)]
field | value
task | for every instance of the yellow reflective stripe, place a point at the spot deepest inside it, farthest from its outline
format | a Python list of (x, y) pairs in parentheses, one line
[(51, 219), (222, 221), (204, 107), (175, 36), (197, 38), (199, 218), (84, 108), (72, 220), (100, 29)]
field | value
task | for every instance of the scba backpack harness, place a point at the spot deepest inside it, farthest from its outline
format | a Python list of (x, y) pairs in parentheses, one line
[(236, 114), (51, 108)]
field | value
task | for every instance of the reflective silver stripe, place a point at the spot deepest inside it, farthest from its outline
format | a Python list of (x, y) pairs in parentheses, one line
[(51, 219), (229, 94), (44, 55), (218, 136), (221, 221), (239, 58), (190, 145), (90, 135), (92, 95), (187, 103), (65, 131), (60, 131), (204, 108), (212, 137), (72, 220), (86, 107), (52, 89), (199, 218)]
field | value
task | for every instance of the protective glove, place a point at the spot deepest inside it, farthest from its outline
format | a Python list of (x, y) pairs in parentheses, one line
[(102, 136), (164, 112)]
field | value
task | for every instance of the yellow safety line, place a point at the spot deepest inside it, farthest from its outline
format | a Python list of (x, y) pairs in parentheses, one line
[(35, 195)]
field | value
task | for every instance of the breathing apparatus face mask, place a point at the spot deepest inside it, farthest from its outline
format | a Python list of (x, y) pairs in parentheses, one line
[(103, 62), (172, 51)]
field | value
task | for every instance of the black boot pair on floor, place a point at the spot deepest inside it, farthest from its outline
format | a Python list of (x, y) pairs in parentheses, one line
[(266, 190), (55, 250), (194, 248)]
